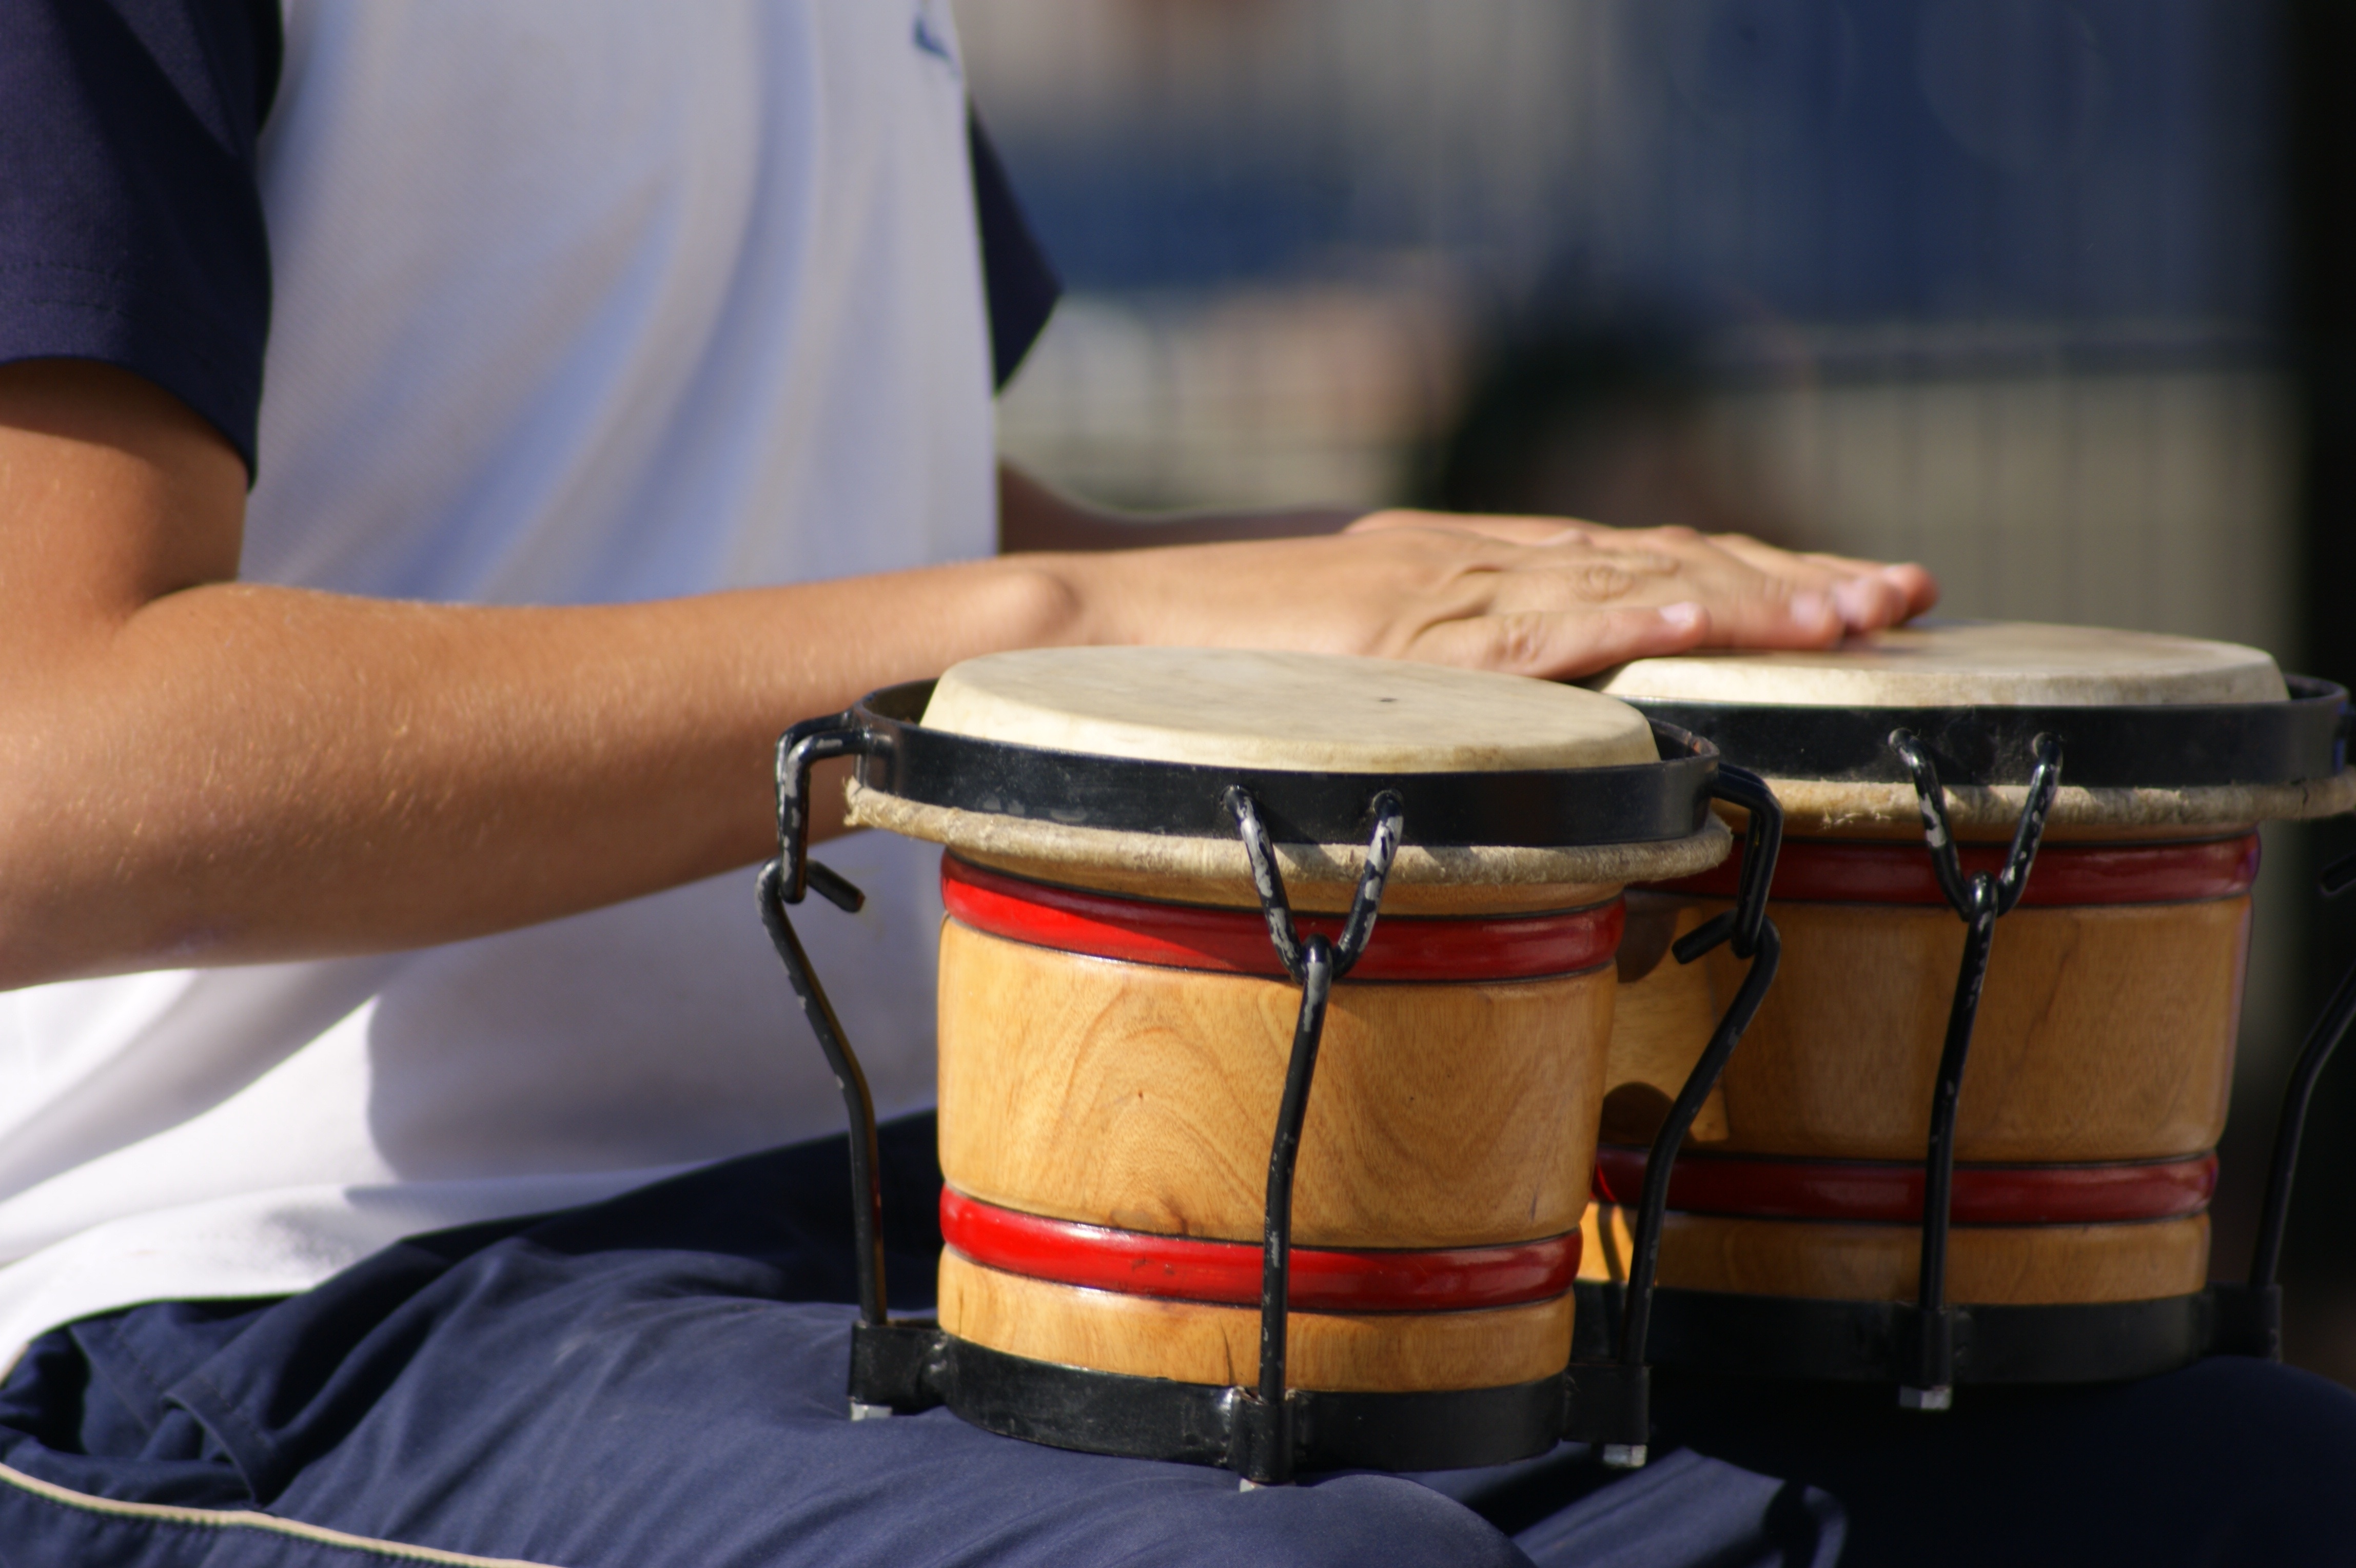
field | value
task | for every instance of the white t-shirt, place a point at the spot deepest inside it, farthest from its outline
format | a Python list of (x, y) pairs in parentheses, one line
[(574, 302)]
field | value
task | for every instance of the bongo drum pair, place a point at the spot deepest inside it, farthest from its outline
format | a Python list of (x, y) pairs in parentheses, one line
[(1275, 1000), (1970, 1138)]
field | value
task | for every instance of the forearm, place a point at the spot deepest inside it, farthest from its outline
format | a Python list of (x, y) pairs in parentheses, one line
[(194, 770), (242, 773)]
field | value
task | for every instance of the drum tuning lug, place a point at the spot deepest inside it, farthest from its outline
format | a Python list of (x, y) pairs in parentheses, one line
[(781, 883), (1261, 1441), (1263, 1433), (2253, 1315), (2245, 1320), (1388, 814), (799, 749), (834, 888), (895, 1368), (1611, 1406), (1268, 879), (773, 889), (1610, 1401), (1697, 942), (1927, 1358)]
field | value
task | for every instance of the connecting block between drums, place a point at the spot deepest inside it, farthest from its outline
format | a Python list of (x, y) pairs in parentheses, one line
[(894, 1368), (1261, 1444), (2247, 1321), (1927, 1358), (1610, 1405)]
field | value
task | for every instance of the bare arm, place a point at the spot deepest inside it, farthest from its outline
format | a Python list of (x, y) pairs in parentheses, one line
[(198, 770), (202, 771)]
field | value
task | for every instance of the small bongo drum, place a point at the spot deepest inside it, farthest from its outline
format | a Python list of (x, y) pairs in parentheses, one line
[(1163, 873), (1970, 1137)]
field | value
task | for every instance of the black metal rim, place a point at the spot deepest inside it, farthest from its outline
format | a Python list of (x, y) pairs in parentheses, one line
[(2154, 746), (1204, 1423), (1645, 802), (1865, 1341)]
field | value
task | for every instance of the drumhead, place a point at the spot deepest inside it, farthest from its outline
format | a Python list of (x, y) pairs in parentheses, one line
[(1963, 663), (1128, 758), (2158, 733), (1241, 708)]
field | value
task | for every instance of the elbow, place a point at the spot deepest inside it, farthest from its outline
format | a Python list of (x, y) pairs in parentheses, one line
[(68, 910), (32, 922)]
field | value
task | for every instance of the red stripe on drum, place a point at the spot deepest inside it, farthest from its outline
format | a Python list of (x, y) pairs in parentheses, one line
[(1850, 872), (1227, 1274), (1890, 1192), (1235, 941)]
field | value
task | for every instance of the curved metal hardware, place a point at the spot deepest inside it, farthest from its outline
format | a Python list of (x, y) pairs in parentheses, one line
[(2250, 1317), (784, 881), (1543, 808), (2131, 745), (1263, 1451), (1610, 1401), (1928, 1358)]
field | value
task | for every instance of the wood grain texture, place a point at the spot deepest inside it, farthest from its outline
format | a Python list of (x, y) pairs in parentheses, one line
[(1662, 1018), (1144, 1098), (1998, 1265), (1145, 1337), (1607, 1240), (2104, 1032)]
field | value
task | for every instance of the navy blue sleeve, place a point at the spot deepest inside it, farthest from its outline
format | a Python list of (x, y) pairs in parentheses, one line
[(1020, 282), (131, 228)]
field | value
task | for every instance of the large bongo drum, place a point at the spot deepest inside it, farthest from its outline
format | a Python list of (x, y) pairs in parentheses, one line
[(1275, 997), (1971, 1135)]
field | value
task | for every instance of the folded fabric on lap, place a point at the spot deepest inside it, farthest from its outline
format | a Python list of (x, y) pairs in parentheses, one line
[(658, 1379)]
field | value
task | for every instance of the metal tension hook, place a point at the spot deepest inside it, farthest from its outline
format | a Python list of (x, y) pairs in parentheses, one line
[(1927, 1371), (1262, 1448)]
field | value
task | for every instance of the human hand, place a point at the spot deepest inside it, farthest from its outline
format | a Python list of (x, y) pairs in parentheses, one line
[(1865, 595), (1530, 596)]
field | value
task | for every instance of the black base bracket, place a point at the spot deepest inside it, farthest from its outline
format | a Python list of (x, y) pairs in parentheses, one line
[(1611, 1406), (1879, 1341), (908, 1366), (2248, 1320)]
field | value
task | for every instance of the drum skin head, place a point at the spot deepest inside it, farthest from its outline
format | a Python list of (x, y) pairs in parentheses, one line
[(1237, 707), (1942, 663)]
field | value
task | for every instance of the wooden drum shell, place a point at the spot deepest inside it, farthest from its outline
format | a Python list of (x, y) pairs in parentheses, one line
[(1372, 1352), (1143, 1097), (2106, 1033)]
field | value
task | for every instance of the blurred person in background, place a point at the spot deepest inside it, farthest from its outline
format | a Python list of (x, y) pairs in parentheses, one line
[(1573, 413)]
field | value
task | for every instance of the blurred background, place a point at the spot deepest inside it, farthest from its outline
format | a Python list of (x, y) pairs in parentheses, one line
[(2044, 294)]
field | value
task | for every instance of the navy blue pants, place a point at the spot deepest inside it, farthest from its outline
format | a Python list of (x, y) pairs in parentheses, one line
[(658, 1381)]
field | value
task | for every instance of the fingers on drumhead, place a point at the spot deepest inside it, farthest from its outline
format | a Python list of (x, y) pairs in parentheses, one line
[(1921, 588), (1807, 618), (1565, 645), (1866, 601)]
